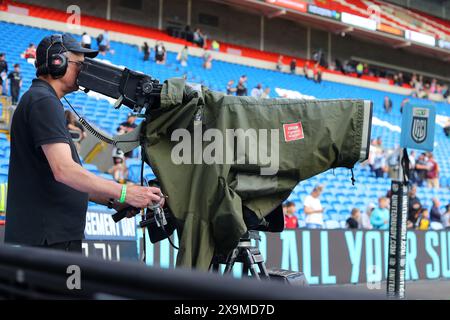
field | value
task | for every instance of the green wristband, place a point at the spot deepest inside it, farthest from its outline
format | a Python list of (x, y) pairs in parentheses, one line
[(123, 195)]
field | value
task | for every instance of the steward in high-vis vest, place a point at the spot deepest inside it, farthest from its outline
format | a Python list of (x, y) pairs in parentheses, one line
[(218, 157)]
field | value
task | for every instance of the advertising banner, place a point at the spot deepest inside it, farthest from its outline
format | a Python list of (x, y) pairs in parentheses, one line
[(327, 13), (358, 21), (420, 37), (338, 256), (290, 4)]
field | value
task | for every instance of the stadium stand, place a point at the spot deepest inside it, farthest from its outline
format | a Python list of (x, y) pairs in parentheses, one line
[(339, 197)]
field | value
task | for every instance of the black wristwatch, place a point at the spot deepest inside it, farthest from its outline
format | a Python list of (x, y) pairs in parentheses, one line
[(111, 203)]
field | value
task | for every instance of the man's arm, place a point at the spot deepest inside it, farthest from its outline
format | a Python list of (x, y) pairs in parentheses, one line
[(67, 171)]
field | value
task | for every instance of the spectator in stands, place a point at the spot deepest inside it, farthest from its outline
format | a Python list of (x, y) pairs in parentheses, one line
[(380, 215), (379, 163), (146, 49), (317, 56), (387, 104), (380, 143), (183, 56), (86, 41), (404, 102), (231, 90), (446, 217), (423, 220), (317, 74), (3, 72), (393, 161), (364, 220), (412, 165), (127, 126), (215, 46), (313, 209), (30, 53), (160, 53), (434, 86), (199, 38), (290, 219), (293, 66), (103, 41), (414, 207), (306, 70), (241, 88), (421, 170), (432, 172), (15, 83), (257, 91), (446, 93), (353, 221), (359, 69), (413, 81), (279, 65), (447, 128), (435, 212), (266, 93), (400, 79), (207, 59), (119, 170), (75, 129)]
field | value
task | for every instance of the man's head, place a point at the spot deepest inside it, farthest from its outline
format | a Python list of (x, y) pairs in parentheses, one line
[(259, 86), (2, 56), (59, 59), (131, 118), (436, 202), (425, 213), (317, 191), (290, 208), (383, 203), (413, 190), (355, 213), (370, 207), (17, 67)]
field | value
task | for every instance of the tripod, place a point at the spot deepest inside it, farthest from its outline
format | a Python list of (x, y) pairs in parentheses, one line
[(247, 254)]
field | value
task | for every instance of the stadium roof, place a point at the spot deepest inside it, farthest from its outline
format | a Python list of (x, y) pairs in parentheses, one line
[(311, 15)]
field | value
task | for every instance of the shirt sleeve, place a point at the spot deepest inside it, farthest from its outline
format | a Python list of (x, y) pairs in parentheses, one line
[(47, 122)]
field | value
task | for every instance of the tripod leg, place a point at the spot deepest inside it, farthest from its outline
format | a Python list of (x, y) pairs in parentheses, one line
[(245, 270), (263, 270), (249, 264), (231, 260), (254, 272)]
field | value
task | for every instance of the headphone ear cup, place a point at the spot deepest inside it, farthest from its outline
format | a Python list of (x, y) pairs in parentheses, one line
[(57, 65)]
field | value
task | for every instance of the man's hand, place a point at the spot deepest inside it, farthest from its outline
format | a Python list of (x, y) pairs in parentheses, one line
[(141, 197)]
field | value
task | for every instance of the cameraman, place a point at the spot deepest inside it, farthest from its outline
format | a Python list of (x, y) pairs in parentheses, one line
[(48, 189)]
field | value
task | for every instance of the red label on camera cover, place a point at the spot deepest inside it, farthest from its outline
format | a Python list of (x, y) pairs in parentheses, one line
[(293, 131)]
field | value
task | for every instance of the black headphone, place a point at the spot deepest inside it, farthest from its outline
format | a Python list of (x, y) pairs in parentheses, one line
[(56, 64)]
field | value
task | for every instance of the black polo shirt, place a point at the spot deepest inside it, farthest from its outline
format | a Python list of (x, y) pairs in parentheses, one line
[(39, 209)]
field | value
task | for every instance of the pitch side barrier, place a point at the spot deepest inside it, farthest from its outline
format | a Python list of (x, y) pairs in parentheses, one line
[(50, 274)]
